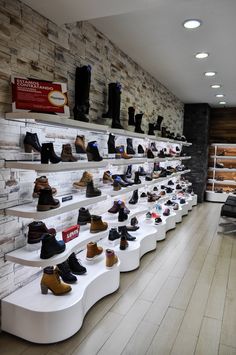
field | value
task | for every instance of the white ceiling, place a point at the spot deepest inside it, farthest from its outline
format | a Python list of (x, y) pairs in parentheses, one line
[(151, 32)]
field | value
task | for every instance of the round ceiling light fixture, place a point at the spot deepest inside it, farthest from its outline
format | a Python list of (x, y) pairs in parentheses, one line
[(222, 103), (220, 95), (201, 55), (210, 73), (215, 86), (191, 24)]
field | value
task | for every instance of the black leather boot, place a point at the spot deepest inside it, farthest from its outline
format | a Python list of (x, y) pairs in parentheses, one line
[(111, 100), (151, 129), (92, 191), (129, 172), (136, 178), (48, 154), (150, 154), (111, 144), (134, 198), (51, 246), (124, 232), (31, 143), (65, 273), (153, 147), (46, 201), (122, 216), (130, 149), (82, 87), (93, 152), (140, 149), (157, 126), (113, 234), (75, 266), (131, 112), (138, 121), (84, 216)]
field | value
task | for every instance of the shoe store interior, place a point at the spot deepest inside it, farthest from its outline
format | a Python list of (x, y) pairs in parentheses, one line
[(118, 177)]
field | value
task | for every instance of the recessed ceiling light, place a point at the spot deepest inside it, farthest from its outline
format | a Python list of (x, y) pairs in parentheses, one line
[(192, 24), (222, 103), (201, 55), (220, 95), (210, 73), (216, 86)]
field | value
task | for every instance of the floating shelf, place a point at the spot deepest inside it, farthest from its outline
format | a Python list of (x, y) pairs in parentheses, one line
[(219, 157), (127, 133), (222, 169), (222, 182), (117, 162), (29, 210), (167, 140), (125, 190)]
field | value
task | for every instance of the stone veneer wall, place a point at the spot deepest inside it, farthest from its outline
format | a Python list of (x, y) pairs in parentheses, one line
[(32, 46)]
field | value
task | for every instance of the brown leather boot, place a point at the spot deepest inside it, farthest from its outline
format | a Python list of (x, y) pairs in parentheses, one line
[(111, 258), (86, 178), (107, 177), (40, 184), (80, 145), (66, 153), (93, 250), (51, 281), (97, 225)]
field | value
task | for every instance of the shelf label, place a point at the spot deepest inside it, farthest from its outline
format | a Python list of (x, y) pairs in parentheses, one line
[(31, 95)]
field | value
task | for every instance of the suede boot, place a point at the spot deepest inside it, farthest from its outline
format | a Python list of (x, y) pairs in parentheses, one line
[(66, 153), (85, 179), (93, 250), (80, 145), (97, 225), (111, 258), (51, 281)]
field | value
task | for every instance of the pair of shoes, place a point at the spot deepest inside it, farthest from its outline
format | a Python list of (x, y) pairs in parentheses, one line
[(68, 268), (97, 224), (51, 281)]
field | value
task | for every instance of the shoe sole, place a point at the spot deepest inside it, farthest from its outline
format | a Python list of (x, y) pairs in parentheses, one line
[(46, 207)]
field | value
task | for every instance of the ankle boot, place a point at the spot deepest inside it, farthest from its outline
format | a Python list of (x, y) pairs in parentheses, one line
[(111, 258), (133, 225), (113, 234), (130, 149), (150, 154), (48, 154), (111, 144), (140, 149), (153, 147), (93, 152), (36, 231), (131, 112), (40, 184), (92, 191), (85, 179), (84, 216), (129, 172), (46, 201), (157, 126), (116, 185), (82, 87), (121, 151), (138, 121), (141, 171), (124, 232), (97, 224), (80, 145), (31, 143), (122, 216), (136, 178), (125, 179), (64, 271), (93, 250), (51, 281), (51, 246), (107, 177), (134, 198), (111, 100), (123, 243), (151, 129), (66, 153), (75, 266)]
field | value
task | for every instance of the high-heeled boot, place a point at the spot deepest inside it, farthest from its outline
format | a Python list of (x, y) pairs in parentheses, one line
[(31, 143), (157, 126), (134, 198), (111, 144), (51, 281), (93, 152), (66, 153), (48, 154), (131, 111)]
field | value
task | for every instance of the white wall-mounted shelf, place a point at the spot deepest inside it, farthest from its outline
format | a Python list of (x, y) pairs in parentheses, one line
[(131, 161), (125, 190), (127, 133), (222, 182), (222, 169), (29, 210), (167, 140), (225, 157)]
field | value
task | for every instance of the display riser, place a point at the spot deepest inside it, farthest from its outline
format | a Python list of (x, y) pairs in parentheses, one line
[(170, 222), (178, 218), (185, 208)]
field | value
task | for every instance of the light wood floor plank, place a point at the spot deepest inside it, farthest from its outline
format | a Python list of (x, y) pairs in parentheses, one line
[(228, 333), (226, 350), (209, 338)]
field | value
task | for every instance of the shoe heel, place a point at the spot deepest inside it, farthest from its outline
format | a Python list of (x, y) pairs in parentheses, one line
[(44, 289), (44, 160), (28, 148), (90, 156)]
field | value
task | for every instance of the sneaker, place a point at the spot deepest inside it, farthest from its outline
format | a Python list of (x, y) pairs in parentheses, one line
[(158, 221)]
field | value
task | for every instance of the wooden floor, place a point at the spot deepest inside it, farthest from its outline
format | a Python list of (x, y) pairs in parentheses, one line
[(182, 300)]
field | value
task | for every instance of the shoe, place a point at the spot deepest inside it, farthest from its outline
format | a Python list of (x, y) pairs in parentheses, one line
[(93, 250), (66, 154), (107, 177), (46, 201), (122, 216), (82, 89), (140, 149), (182, 201), (169, 203), (120, 180), (113, 234), (51, 246), (36, 230), (131, 111), (93, 152), (158, 207), (111, 258), (149, 177), (170, 183), (163, 173), (128, 181), (92, 191), (176, 206), (219, 165), (85, 179), (130, 150), (138, 121), (153, 147), (158, 220), (116, 185), (152, 198), (40, 184), (80, 145), (75, 266), (143, 194), (134, 198), (97, 225), (64, 271), (162, 193), (48, 154), (129, 172), (123, 243), (136, 178), (117, 205), (111, 144), (31, 143), (133, 225), (157, 126), (148, 215), (156, 174), (151, 129), (150, 154), (169, 190), (141, 171), (121, 151), (166, 212), (178, 187), (51, 281), (161, 154), (124, 232), (84, 216), (155, 188)]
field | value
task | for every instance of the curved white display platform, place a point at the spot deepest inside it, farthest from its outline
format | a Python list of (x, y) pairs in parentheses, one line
[(194, 197), (170, 221), (46, 319), (178, 213), (184, 208)]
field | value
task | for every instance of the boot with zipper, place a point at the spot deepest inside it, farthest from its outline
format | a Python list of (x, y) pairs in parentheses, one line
[(151, 129), (51, 281), (82, 87), (66, 153), (48, 154), (138, 121), (46, 201), (130, 149), (92, 191), (80, 145), (31, 143), (40, 184), (131, 111), (93, 152), (134, 198), (85, 179), (111, 144), (157, 126)]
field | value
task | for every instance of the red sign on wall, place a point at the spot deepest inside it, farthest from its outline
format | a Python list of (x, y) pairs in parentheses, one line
[(39, 96)]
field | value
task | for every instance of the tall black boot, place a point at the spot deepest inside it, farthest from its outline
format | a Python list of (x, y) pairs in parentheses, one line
[(138, 121), (82, 87), (131, 111), (116, 111), (130, 149), (129, 172), (111, 99), (151, 129), (111, 144), (134, 198), (136, 178), (157, 126)]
